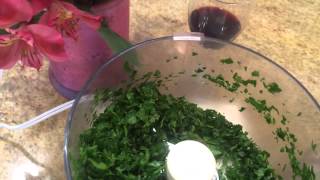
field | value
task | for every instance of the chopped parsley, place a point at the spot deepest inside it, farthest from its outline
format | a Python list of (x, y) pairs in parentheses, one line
[(157, 74), (284, 167), (259, 105), (255, 73), (199, 70), (226, 61), (240, 80), (281, 133), (269, 118), (284, 120), (220, 81), (194, 53), (128, 139), (313, 146), (123, 149), (273, 87)]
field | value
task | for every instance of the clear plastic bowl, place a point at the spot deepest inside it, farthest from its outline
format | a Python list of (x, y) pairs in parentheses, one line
[(187, 53)]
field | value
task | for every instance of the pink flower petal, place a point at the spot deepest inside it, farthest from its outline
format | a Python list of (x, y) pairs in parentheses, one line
[(8, 52), (14, 11), (13, 48), (44, 19), (91, 20), (30, 55), (48, 41), (38, 5), (61, 19)]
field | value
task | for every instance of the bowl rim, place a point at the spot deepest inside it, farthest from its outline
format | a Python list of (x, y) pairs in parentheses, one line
[(181, 37)]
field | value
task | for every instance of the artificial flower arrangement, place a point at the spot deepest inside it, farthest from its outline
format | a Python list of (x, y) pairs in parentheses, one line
[(31, 30)]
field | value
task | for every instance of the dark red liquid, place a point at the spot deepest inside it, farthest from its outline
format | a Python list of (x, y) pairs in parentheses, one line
[(214, 22)]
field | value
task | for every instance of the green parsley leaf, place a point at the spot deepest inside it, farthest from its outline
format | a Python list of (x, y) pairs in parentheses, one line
[(226, 61), (255, 73), (273, 88), (194, 53), (313, 146)]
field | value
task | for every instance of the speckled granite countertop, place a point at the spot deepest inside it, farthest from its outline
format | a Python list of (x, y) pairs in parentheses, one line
[(284, 30)]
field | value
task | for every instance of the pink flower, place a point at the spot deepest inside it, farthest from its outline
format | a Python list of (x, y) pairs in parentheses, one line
[(30, 44), (65, 18), (14, 11), (38, 5)]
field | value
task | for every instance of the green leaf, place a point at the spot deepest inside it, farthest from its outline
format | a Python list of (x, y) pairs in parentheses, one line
[(240, 80), (255, 73), (115, 42), (118, 44), (273, 87), (313, 146), (242, 109), (194, 53), (284, 120), (132, 119), (226, 61), (2, 31), (199, 70), (219, 80), (98, 165), (35, 19), (259, 105), (282, 134)]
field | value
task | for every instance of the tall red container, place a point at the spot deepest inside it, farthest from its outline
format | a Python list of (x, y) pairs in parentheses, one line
[(89, 51)]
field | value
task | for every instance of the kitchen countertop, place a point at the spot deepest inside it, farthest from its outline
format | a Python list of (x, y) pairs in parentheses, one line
[(286, 31)]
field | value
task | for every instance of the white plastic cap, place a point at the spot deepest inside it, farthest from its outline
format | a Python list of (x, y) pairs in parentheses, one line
[(191, 160)]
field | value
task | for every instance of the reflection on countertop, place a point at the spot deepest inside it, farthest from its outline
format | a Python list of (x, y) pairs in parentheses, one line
[(286, 31)]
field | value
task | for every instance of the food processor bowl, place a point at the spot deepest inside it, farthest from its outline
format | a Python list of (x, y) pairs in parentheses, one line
[(192, 66)]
